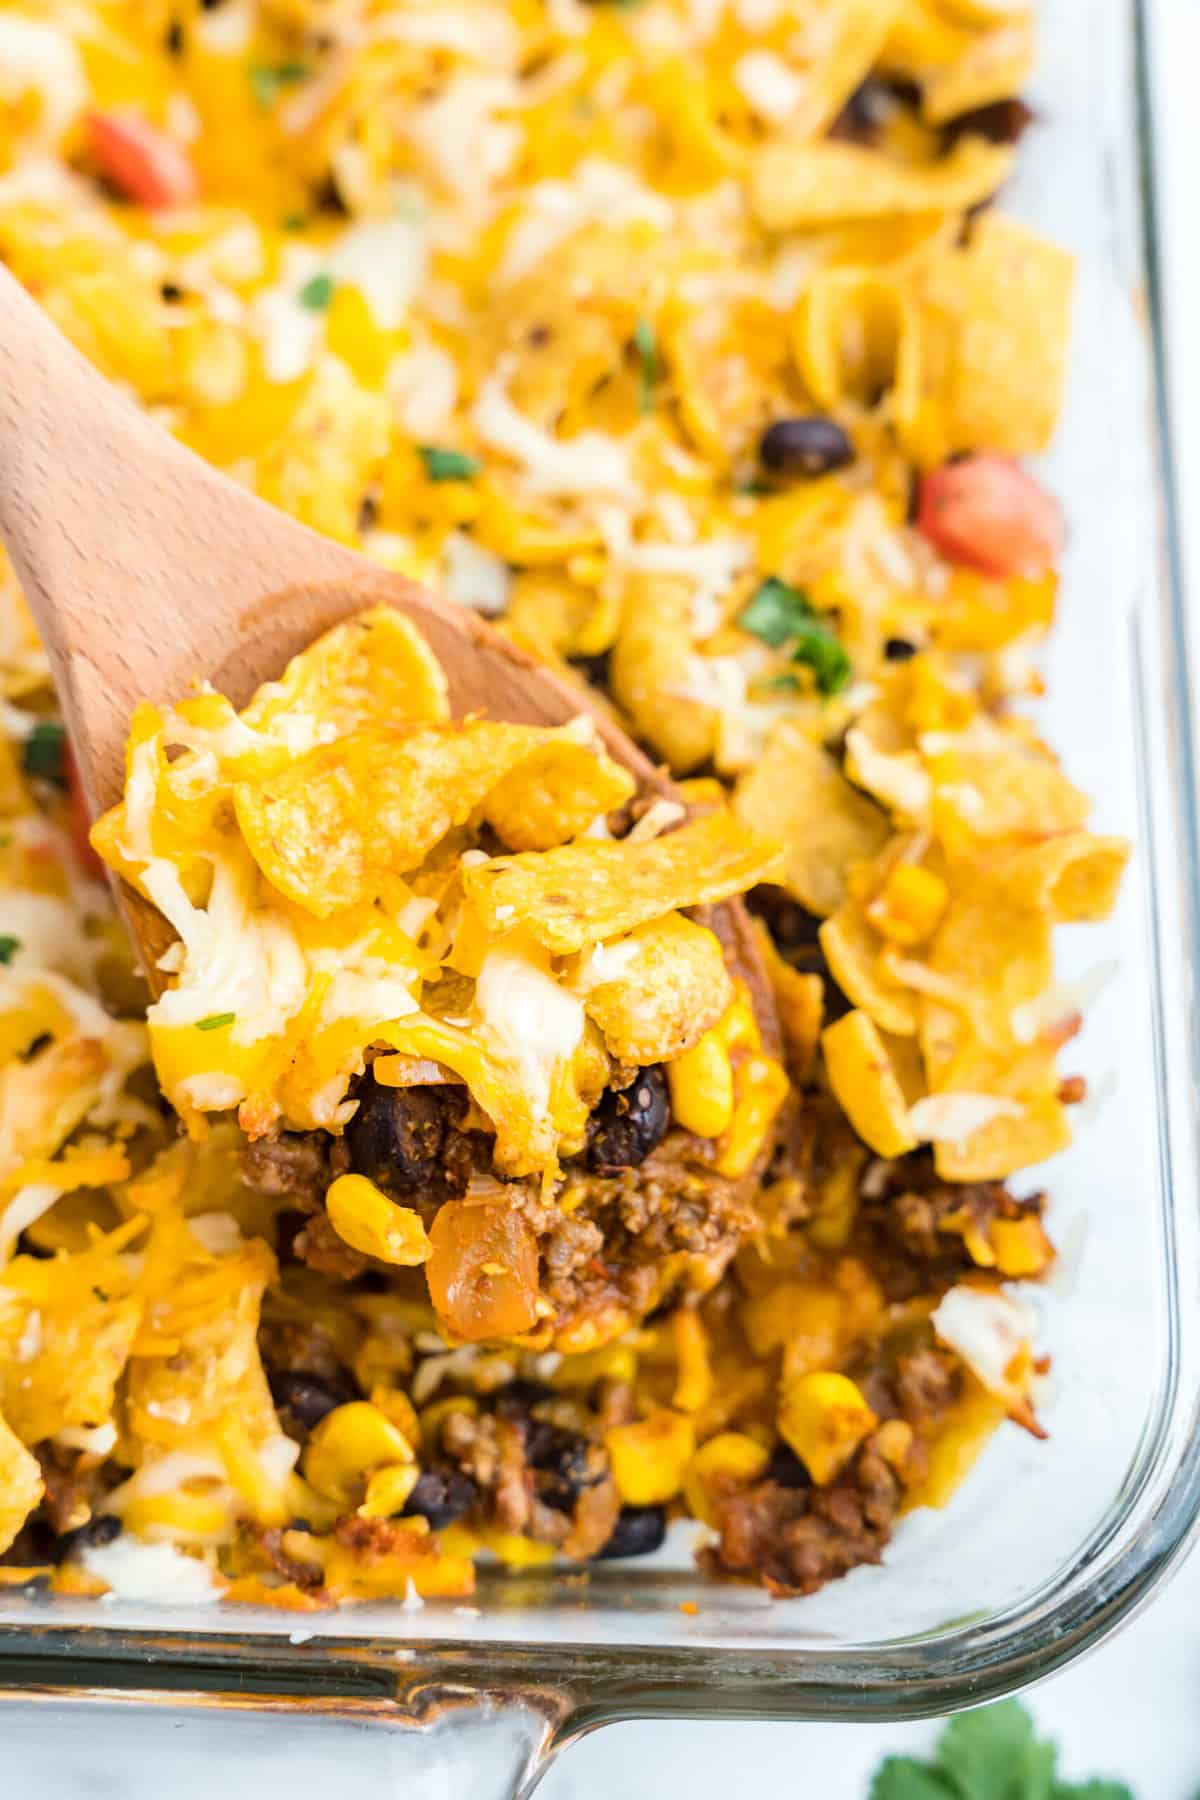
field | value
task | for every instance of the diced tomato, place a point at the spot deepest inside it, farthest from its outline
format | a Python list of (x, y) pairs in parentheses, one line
[(79, 821), (142, 162), (987, 512)]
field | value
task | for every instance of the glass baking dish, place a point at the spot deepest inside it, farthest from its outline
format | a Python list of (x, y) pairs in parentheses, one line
[(1047, 1546)]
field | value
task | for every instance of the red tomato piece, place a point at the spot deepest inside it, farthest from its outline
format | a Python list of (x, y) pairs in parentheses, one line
[(142, 162), (988, 513), (79, 821)]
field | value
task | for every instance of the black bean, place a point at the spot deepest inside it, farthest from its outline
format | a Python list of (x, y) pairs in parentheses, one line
[(789, 923), (638, 1531), (308, 1397), (594, 669), (630, 1122), (809, 446), (899, 650), (398, 1135), (1001, 122), (785, 1469), (518, 1399), (441, 1496), (102, 1528)]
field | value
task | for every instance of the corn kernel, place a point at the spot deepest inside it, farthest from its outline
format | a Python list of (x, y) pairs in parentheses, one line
[(693, 1382), (1021, 1246), (347, 1445), (824, 1418), (388, 1491), (395, 1405), (701, 1083), (515, 1551), (728, 1461), (650, 1456), (910, 904), (761, 1087), (612, 1362), (352, 334), (369, 1222)]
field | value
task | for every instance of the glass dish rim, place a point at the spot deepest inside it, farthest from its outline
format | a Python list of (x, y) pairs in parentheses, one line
[(575, 1687)]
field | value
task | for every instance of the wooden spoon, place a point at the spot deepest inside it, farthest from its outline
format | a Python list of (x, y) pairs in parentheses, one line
[(147, 570)]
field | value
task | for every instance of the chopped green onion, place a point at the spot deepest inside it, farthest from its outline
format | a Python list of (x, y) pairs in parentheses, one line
[(447, 465), (647, 348), (776, 612), (8, 948), (46, 751), (317, 293), (100, 1294), (268, 80), (819, 650), (293, 221), (215, 1021)]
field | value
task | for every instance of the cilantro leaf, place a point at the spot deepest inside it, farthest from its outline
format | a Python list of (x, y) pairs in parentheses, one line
[(317, 293), (776, 612), (8, 948), (779, 615), (45, 752), (215, 1021), (646, 344), (268, 80), (904, 1778), (447, 465), (993, 1754), (1091, 1790), (819, 650)]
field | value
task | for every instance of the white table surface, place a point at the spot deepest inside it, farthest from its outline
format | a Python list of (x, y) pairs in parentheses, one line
[(1131, 1709)]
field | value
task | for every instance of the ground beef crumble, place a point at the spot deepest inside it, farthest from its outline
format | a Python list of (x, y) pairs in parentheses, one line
[(796, 1538)]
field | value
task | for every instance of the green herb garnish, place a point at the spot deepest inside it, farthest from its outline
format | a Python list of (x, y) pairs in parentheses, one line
[(268, 80), (8, 948), (646, 344), (819, 650), (100, 1294), (215, 1021), (779, 615), (45, 752), (293, 221), (992, 1754), (776, 612), (317, 293), (447, 465)]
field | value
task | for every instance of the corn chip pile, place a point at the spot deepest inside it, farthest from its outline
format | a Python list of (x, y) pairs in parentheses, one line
[(487, 1180)]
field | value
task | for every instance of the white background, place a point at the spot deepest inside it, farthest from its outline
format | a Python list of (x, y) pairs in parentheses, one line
[(1131, 1710)]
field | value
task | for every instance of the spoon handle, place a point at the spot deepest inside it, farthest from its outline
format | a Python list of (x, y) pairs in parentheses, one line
[(134, 555)]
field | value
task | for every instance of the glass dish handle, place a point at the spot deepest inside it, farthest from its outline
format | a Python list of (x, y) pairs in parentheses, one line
[(429, 1743)]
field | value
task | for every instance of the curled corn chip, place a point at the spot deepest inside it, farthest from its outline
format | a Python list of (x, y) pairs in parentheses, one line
[(797, 794), (863, 1078), (574, 897), (655, 992), (331, 829), (375, 667), (20, 1484), (793, 186), (554, 794)]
